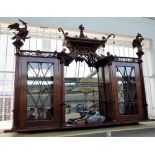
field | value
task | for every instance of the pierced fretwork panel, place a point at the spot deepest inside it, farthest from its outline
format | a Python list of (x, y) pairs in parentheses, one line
[(40, 91), (127, 96)]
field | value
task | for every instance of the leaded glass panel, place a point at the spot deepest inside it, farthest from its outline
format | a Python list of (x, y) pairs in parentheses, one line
[(40, 91), (127, 96)]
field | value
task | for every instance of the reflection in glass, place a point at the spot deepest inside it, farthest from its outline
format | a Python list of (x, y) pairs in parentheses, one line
[(127, 96), (81, 95), (40, 91)]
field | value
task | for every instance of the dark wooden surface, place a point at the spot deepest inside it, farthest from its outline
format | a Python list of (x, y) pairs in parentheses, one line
[(108, 96), (21, 95), (140, 115), (79, 46)]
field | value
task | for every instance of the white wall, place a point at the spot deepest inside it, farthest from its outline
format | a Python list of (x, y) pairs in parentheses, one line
[(121, 26)]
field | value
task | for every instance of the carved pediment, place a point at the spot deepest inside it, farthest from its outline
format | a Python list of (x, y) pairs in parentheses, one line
[(82, 48)]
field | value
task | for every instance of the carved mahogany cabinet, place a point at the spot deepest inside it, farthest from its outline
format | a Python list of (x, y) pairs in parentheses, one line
[(46, 97), (40, 94)]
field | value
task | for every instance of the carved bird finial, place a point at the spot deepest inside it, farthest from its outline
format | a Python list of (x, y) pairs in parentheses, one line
[(138, 43), (20, 35)]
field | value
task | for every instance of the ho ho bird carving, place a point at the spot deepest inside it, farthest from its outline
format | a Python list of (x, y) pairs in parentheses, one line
[(20, 35)]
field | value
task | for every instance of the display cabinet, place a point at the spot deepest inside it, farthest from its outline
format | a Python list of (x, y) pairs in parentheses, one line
[(123, 91), (38, 93), (79, 88)]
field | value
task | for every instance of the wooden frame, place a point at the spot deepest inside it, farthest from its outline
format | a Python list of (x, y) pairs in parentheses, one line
[(140, 115), (20, 120), (107, 95)]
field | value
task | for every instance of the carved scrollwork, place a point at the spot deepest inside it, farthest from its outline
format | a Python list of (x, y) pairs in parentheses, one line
[(111, 35), (61, 30), (37, 53), (104, 39)]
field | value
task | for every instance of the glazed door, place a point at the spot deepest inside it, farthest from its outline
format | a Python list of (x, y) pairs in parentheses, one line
[(39, 93), (128, 92)]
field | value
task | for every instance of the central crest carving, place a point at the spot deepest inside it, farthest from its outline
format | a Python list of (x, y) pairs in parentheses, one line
[(82, 48)]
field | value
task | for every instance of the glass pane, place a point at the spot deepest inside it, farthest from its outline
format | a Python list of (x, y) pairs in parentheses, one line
[(10, 47), (59, 45), (46, 44), (32, 44), (2, 63), (9, 76), (10, 63), (53, 44), (40, 91), (1, 104), (39, 44), (127, 96), (3, 44), (7, 108), (2, 76), (81, 95)]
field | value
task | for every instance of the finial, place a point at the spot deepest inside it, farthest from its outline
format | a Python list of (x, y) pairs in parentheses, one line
[(137, 43), (81, 27), (21, 34)]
